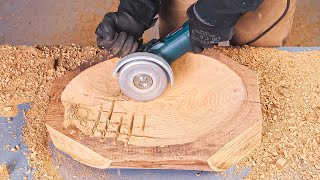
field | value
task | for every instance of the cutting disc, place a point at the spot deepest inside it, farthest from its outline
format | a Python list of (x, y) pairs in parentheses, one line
[(142, 80), (143, 76)]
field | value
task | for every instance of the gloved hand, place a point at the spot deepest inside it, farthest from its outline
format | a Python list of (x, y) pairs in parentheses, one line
[(205, 35), (119, 33)]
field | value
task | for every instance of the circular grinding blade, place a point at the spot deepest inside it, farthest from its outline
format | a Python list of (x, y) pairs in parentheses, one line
[(142, 80)]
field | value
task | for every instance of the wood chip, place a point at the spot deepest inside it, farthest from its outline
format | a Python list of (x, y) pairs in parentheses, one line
[(6, 147), (14, 149), (312, 117), (28, 172), (9, 119), (281, 162), (7, 109), (72, 132), (199, 173), (4, 172)]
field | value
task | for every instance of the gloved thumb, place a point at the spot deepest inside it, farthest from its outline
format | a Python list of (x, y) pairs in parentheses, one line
[(106, 34), (106, 30)]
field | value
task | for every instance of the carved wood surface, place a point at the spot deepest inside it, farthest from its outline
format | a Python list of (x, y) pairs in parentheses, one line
[(209, 120)]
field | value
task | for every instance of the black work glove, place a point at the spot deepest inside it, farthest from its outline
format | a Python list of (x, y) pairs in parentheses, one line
[(119, 33), (204, 35)]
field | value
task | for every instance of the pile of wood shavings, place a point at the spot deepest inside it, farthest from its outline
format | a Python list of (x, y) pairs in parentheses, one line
[(290, 97), (26, 75)]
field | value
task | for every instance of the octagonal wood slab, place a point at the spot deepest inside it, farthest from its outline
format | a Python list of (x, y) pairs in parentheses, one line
[(209, 120)]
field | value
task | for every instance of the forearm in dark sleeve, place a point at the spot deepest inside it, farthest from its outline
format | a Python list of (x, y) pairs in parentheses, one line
[(223, 13), (142, 10)]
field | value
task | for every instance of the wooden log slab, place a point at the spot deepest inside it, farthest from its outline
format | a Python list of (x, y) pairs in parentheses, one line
[(209, 120)]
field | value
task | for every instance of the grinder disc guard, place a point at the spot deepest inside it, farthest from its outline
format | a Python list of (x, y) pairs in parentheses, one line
[(143, 76)]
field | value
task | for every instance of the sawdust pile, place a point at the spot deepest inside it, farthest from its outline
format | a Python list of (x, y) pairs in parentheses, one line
[(26, 76), (290, 97)]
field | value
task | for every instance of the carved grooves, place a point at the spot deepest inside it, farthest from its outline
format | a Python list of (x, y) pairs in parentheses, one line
[(111, 110), (97, 122), (144, 122), (120, 126), (131, 120)]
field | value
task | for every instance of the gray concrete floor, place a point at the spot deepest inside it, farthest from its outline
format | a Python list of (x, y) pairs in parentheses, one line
[(11, 136)]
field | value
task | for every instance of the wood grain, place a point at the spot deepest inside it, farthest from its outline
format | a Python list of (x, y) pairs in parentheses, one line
[(209, 120)]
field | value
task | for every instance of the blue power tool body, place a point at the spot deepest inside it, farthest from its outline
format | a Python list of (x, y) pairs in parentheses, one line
[(174, 45), (144, 75)]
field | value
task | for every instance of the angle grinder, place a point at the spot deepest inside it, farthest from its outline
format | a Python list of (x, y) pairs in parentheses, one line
[(145, 75)]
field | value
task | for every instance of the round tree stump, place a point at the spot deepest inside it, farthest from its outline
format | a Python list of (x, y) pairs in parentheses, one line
[(209, 120)]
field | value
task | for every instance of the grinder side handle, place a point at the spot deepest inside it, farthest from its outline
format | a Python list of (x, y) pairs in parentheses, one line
[(174, 45)]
